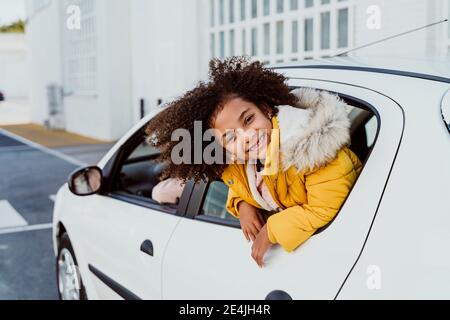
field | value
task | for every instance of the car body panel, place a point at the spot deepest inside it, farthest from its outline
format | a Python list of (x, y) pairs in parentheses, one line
[(107, 234), (112, 236), (427, 66), (405, 256), (445, 109)]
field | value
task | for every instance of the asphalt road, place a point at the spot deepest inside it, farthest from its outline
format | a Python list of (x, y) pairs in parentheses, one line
[(29, 177)]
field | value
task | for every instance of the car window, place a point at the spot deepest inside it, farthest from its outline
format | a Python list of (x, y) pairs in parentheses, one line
[(144, 149), (364, 128), (363, 131), (139, 174), (214, 204), (371, 130)]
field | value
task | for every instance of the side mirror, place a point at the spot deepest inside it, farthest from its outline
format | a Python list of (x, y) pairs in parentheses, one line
[(85, 181)]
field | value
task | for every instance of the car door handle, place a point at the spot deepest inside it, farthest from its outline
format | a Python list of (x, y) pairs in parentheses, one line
[(278, 295), (147, 247)]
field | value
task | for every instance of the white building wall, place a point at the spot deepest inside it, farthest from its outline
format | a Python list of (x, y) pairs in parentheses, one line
[(168, 49), (395, 16), (97, 90), (275, 31), (44, 45), (439, 36), (400, 16), (448, 23), (13, 66), (116, 66), (105, 111)]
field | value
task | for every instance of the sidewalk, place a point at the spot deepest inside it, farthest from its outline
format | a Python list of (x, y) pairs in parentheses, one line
[(49, 138), (84, 149)]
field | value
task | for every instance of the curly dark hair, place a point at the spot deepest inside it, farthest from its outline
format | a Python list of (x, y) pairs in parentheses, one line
[(232, 77)]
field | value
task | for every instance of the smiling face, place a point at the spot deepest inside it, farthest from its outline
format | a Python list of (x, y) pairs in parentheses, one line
[(243, 129)]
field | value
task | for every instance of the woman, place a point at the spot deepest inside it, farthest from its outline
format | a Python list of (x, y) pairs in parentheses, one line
[(288, 150)]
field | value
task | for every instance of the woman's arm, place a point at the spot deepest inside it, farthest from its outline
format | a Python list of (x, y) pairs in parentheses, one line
[(327, 188), (250, 219), (233, 200)]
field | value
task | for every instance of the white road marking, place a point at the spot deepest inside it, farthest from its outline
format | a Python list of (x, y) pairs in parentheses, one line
[(42, 148), (33, 227), (9, 217), (10, 220)]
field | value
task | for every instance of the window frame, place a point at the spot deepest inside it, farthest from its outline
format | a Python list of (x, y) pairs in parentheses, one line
[(200, 189), (112, 170), (195, 205)]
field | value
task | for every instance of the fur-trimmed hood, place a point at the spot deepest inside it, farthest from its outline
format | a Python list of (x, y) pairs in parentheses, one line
[(314, 130)]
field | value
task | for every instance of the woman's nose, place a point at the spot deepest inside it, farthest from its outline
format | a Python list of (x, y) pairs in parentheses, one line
[(246, 138)]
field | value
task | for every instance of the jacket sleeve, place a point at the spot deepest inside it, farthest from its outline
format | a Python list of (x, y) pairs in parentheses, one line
[(233, 200), (326, 188)]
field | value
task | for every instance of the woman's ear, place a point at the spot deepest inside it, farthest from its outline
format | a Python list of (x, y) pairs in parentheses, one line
[(267, 110)]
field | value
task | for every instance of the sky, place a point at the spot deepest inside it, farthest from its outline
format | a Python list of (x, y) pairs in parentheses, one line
[(11, 10)]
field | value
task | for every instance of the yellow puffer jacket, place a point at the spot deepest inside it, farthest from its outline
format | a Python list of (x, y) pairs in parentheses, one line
[(309, 169)]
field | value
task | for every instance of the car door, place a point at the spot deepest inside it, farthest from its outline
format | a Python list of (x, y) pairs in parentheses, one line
[(123, 232), (208, 257)]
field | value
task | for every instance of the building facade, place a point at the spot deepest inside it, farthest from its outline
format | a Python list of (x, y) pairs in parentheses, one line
[(125, 58), (89, 63), (13, 66), (279, 31)]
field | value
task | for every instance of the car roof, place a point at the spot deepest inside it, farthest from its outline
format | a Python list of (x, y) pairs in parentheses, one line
[(426, 67)]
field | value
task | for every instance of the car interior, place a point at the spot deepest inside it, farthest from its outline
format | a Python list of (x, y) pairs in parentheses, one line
[(140, 172)]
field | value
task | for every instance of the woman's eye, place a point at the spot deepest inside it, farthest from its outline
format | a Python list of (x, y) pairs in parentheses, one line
[(248, 119)]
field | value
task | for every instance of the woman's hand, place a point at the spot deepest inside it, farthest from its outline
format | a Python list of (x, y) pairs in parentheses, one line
[(250, 219), (260, 246)]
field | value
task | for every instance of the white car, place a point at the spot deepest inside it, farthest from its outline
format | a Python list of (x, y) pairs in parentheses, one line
[(389, 240)]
